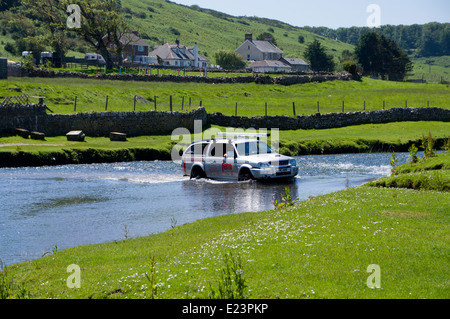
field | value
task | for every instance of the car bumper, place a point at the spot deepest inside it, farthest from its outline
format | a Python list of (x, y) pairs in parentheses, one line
[(275, 172)]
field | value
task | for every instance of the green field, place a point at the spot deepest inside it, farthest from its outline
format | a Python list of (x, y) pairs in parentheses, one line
[(251, 98), (324, 247), (358, 138)]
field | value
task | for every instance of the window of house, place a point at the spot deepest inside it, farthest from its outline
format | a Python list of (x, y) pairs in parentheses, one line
[(248, 57), (140, 48)]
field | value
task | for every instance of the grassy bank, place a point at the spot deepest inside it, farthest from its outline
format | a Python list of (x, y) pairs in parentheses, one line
[(430, 174), (251, 98), (320, 248), (17, 151)]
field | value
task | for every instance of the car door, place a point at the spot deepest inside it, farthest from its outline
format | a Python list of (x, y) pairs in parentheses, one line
[(214, 160), (230, 168)]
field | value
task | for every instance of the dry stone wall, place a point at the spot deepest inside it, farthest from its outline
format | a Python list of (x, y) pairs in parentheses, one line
[(254, 78), (332, 120), (35, 118)]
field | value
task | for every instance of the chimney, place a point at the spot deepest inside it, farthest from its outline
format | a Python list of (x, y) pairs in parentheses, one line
[(196, 64), (249, 37)]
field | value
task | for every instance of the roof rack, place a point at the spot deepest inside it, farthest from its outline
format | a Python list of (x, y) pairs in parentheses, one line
[(231, 135)]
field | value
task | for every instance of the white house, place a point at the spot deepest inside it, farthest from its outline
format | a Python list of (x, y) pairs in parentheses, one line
[(178, 55), (257, 50)]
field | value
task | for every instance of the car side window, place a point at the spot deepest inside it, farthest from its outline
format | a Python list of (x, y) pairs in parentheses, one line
[(217, 150)]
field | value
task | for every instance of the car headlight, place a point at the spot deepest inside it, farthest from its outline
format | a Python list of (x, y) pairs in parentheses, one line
[(293, 162), (263, 165)]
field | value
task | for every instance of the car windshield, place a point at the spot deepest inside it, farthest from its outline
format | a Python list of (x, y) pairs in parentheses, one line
[(253, 148)]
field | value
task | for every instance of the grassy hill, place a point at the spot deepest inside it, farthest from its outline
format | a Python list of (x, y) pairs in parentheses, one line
[(161, 21), (165, 22)]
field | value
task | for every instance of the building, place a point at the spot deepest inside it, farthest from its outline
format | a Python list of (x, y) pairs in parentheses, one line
[(269, 66), (257, 50), (178, 55), (267, 57), (296, 64), (133, 47)]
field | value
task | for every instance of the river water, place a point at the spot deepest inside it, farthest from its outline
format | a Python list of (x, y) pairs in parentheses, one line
[(56, 207)]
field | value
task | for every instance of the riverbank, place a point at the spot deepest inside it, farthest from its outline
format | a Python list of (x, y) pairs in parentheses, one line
[(16, 151), (323, 247)]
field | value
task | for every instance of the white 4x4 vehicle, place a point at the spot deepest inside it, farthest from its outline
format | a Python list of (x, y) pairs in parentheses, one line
[(236, 159)]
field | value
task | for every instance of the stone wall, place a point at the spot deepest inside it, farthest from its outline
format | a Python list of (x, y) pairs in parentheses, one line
[(256, 78), (29, 117), (34, 118), (332, 120)]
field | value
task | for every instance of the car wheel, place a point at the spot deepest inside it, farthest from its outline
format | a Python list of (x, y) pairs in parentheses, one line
[(197, 173), (245, 175)]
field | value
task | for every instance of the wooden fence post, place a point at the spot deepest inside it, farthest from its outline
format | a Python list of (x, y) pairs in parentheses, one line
[(342, 106), (364, 105), (318, 109), (235, 110), (106, 105), (134, 109), (293, 107), (170, 102), (266, 107), (155, 102), (75, 104), (182, 98)]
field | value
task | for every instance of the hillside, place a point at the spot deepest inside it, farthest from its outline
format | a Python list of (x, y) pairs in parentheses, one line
[(165, 21), (161, 21)]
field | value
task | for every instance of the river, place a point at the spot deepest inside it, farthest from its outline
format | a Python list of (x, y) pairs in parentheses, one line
[(55, 207)]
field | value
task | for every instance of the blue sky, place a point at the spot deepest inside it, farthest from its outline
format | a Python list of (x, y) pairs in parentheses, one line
[(333, 14)]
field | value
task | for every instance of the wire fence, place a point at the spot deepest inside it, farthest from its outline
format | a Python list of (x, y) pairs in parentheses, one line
[(263, 108)]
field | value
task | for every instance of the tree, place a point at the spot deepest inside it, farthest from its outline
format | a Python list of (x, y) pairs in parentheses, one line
[(266, 35), (319, 60), (7, 4), (229, 59), (52, 15), (101, 23), (380, 56)]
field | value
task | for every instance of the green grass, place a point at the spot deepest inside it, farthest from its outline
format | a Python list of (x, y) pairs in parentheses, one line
[(251, 98), (319, 248), (357, 138), (431, 69), (431, 173)]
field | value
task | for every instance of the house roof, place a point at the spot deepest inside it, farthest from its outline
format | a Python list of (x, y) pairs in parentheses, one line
[(262, 46), (266, 46), (132, 39), (173, 51), (269, 63), (294, 61)]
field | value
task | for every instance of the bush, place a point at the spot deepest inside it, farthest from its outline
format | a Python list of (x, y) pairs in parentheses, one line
[(9, 47), (349, 66), (229, 60)]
